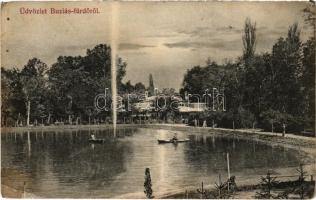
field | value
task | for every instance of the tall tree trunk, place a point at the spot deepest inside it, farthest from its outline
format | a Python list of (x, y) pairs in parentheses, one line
[(48, 119), (28, 112)]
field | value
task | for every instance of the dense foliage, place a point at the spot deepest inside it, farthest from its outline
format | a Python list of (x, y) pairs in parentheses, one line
[(262, 89), (63, 92), (274, 91)]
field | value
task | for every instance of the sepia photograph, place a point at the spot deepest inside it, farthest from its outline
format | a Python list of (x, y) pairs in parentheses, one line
[(158, 100)]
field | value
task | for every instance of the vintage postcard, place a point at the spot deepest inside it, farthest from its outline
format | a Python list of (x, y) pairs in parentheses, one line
[(152, 99)]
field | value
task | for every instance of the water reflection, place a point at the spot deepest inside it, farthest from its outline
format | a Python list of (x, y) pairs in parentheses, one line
[(29, 143), (65, 164)]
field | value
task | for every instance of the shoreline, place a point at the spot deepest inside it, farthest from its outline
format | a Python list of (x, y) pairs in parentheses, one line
[(63, 127), (304, 143), (183, 127)]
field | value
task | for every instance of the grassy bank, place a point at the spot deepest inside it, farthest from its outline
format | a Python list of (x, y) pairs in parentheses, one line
[(280, 191), (306, 144), (248, 186), (63, 127)]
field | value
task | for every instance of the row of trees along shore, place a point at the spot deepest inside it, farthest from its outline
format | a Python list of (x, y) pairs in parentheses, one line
[(266, 88), (275, 87)]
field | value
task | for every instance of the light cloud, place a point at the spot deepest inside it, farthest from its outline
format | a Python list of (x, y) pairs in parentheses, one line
[(165, 38), (133, 46), (217, 44)]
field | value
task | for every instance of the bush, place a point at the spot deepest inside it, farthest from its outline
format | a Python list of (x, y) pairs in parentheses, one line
[(241, 117), (247, 118), (293, 124)]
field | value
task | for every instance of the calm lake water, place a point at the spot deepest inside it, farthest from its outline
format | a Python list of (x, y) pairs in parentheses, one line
[(64, 164)]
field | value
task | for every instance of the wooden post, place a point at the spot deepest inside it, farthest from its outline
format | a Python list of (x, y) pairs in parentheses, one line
[(220, 178), (48, 118), (202, 191), (228, 170), (29, 143), (269, 183), (234, 124), (24, 189), (219, 183), (28, 113)]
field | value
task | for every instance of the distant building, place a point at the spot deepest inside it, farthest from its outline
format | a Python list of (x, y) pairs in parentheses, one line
[(144, 106), (192, 107)]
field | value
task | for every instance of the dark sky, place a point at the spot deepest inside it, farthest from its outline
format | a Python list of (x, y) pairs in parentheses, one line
[(162, 38)]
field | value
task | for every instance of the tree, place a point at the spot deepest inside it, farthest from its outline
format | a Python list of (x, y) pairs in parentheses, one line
[(69, 83), (308, 82), (253, 81), (247, 72), (6, 93), (76, 81), (147, 184), (121, 71), (128, 87), (302, 189), (168, 91), (280, 83), (267, 183), (198, 79), (140, 87), (275, 86), (12, 98), (67, 89), (33, 83), (151, 88), (232, 85), (310, 15), (249, 41), (285, 71)]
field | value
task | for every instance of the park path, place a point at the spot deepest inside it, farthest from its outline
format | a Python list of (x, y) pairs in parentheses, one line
[(253, 131)]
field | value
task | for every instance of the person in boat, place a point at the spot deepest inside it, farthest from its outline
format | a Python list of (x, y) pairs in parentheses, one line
[(174, 138), (92, 137)]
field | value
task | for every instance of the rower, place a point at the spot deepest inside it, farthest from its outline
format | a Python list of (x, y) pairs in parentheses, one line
[(92, 137)]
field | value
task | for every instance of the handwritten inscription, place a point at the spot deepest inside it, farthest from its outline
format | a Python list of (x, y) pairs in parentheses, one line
[(58, 11)]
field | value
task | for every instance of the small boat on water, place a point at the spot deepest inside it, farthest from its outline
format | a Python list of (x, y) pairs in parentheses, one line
[(93, 139), (172, 141), (97, 140)]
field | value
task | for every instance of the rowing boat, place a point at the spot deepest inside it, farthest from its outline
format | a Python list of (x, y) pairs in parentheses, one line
[(172, 141), (96, 140)]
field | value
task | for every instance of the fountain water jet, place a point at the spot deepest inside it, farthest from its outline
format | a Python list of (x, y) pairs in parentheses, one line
[(114, 44)]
